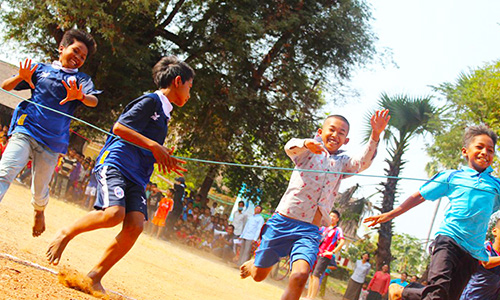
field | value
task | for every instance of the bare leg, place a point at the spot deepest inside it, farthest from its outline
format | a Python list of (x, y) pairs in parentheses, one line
[(123, 242), (313, 287), (297, 281), (249, 269), (39, 223), (110, 217)]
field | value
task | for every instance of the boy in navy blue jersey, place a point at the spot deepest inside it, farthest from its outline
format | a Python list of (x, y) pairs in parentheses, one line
[(474, 196), (123, 170), (38, 133)]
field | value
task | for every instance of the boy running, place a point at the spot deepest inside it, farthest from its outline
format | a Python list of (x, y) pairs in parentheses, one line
[(38, 133), (123, 170), (474, 196), (294, 229)]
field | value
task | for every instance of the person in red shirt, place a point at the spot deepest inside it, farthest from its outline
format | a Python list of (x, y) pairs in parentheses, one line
[(331, 242), (379, 284), (164, 207)]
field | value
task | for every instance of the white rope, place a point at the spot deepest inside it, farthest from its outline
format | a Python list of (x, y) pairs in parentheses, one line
[(42, 268)]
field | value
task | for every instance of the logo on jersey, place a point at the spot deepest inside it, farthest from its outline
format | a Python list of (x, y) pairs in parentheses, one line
[(119, 192), (143, 200), (71, 78), (156, 116), (45, 74)]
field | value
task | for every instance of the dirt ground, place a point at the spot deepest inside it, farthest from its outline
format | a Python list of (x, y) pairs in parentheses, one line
[(153, 269)]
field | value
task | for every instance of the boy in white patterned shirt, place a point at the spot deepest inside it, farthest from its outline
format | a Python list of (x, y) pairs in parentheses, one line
[(294, 229)]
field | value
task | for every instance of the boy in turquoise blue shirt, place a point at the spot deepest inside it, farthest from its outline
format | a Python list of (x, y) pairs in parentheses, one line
[(474, 196)]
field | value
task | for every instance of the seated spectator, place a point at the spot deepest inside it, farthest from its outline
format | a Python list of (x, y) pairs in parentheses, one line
[(205, 221), (207, 237), (198, 201), (224, 245), (196, 215), (181, 235), (188, 210), (213, 210)]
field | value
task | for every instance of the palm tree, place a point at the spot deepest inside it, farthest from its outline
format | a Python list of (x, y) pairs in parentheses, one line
[(410, 117)]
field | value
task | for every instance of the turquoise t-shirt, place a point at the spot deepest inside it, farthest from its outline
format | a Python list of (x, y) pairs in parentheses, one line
[(474, 197), (400, 282)]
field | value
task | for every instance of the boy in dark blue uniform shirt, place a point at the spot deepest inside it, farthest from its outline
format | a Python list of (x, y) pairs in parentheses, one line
[(485, 283), (40, 134), (123, 170)]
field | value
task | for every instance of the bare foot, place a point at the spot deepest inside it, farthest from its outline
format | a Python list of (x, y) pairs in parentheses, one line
[(245, 269), (395, 292), (57, 246), (39, 224), (96, 283)]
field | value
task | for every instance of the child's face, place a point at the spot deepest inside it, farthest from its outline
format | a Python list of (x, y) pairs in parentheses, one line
[(181, 91), (334, 134), (74, 55), (496, 230), (480, 152), (335, 218)]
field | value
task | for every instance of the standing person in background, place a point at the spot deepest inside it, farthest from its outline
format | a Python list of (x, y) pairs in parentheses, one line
[(250, 234), (173, 216), (379, 285), (332, 242), (358, 278), (239, 219), (164, 207)]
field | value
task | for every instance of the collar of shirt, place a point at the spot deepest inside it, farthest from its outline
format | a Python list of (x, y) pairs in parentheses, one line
[(58, 66), (167, 106), (473, 172)]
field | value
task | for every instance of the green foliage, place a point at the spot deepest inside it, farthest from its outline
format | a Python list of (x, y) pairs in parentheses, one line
[(408, 253), (473, 99), (356, 250), (261, 67)]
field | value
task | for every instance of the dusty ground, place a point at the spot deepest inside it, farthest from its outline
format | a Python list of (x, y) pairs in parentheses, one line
[(153, 269)]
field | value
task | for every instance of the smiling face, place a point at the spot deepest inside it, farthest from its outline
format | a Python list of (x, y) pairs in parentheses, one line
[(74, 55), (480, 152), (334, 133)]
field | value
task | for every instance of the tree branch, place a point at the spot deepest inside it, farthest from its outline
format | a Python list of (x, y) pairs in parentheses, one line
[(172, 14)]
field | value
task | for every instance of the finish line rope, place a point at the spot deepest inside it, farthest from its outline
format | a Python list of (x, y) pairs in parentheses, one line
[(237, 164)]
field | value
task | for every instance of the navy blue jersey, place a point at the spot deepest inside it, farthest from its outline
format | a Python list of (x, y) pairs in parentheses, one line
[(47, 127), (144, 115), (485, 283)]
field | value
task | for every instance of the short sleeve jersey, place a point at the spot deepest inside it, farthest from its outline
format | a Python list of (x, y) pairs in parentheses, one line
[(165, 206), (331, 236), (144, 115), (473, 198), (485, 283), (48, 127)]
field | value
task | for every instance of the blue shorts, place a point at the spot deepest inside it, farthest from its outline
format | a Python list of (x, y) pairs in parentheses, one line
[(282, 236), (113, 189)]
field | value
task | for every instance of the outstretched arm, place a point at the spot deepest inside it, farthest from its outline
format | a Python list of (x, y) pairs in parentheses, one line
[(166, 163), (410, 203), (492, 262), (25, 74)]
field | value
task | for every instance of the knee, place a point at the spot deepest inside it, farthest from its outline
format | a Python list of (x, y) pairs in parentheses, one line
[(113, 217), (299, 278), (133, 228)]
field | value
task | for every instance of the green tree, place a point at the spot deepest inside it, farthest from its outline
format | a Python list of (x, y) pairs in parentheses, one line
[(409, 117), (473, 99), (261, 67), (408, 253), (356, 250)]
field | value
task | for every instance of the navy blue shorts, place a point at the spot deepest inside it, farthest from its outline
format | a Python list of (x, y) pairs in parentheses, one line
[(113, 189), (282, 236)]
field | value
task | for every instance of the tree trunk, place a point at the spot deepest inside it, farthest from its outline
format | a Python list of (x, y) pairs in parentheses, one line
[(384, 255), (207, 182)]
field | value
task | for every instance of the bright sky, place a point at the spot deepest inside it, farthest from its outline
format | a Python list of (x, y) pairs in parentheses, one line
[(432, 42)]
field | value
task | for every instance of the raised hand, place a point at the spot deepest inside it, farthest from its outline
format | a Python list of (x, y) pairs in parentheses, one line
[(315, 146), (379, 122), (25, 73), (73, 92)]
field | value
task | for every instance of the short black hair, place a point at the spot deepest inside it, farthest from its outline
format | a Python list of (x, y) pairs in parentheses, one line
[(154, 184), (230, 226), (472, 131), (169, 67), (337, 213), (404, 273), (241, 202), (73, 35), (340, 117)]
